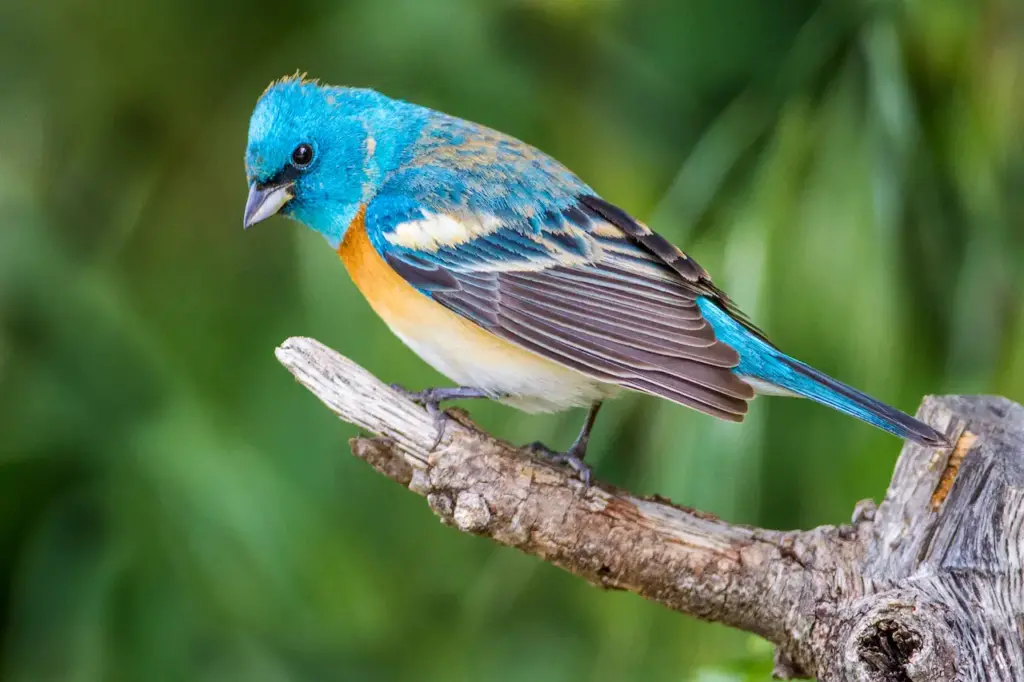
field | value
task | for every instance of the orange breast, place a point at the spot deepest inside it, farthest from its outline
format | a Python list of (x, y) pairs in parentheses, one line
[(388, 294), (409, 313)]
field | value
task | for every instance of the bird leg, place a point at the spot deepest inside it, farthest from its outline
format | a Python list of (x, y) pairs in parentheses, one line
[(573, 457), (431, 399)]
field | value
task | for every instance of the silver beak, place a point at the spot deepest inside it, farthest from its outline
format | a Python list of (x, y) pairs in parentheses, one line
[(264, 201)]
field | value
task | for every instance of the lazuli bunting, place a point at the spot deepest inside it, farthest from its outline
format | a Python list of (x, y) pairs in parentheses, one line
[(507, 273)]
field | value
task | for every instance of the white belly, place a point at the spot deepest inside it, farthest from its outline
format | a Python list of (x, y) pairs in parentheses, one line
[(530, 382)]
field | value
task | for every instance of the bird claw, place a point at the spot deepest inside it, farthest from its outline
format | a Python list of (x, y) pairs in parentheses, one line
[(570, 459), (431, 401), (440, 418)]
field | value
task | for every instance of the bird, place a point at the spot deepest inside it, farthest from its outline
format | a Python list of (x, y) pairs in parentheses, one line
[(508, 274)]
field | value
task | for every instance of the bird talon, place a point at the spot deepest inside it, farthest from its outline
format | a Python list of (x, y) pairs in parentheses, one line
[(569, 459), (431, 399), (440, 426), (440, 418)]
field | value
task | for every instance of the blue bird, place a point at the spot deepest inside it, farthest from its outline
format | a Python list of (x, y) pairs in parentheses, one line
[(508, 274)]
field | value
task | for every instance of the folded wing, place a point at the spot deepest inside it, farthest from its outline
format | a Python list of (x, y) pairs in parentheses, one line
[(585, 295)]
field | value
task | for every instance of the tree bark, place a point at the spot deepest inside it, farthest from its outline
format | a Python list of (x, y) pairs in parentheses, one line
[(927, 587)]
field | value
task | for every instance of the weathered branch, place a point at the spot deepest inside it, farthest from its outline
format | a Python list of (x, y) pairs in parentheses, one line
[(928, 587)]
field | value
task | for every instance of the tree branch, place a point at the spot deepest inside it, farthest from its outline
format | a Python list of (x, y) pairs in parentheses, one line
[(893, 596)]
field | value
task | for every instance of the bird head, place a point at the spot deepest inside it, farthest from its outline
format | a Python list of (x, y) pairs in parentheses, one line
[(314, 153)]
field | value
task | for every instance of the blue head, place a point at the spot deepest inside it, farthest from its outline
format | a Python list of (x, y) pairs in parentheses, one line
[(317, 153)]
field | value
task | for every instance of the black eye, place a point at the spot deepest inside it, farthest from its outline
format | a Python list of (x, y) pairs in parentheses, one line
[(302, 156)]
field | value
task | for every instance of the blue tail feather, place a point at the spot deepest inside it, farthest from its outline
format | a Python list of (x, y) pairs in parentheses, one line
[(768, 365), (818, 386)]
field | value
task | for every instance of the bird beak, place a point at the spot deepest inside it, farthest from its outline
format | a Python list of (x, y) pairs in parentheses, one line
[(264, 201)]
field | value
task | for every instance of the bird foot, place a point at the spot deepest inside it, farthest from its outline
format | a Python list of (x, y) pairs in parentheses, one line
[(431, 399), (571, 458)]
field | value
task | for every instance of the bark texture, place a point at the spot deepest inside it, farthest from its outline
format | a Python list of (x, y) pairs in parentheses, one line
[(926, 587)]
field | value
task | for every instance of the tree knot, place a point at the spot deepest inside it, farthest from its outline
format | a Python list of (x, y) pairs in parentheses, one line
[(898, 637)]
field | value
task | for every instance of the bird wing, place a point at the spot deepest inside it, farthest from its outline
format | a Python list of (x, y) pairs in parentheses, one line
[(533, 256)]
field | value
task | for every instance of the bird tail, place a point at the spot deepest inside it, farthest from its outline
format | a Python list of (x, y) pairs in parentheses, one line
[(771, 371), (802, 380)]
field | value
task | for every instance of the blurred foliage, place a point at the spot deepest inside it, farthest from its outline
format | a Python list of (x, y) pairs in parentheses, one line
[(173, 507)]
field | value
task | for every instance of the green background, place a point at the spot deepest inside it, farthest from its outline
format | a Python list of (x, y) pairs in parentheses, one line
[(174, 507)]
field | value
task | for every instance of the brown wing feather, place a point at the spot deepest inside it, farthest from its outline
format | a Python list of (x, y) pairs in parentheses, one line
[(653, 340), (628, 316)]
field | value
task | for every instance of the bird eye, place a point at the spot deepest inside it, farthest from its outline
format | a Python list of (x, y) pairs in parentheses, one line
[(302, 156)]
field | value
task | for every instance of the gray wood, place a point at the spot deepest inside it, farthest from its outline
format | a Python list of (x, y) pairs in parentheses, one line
[(926, 587)]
